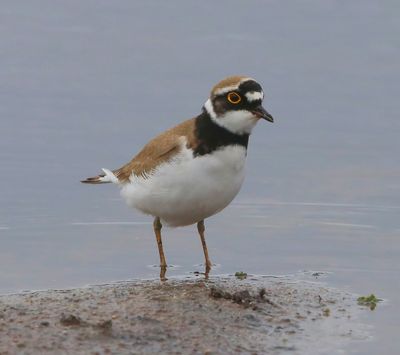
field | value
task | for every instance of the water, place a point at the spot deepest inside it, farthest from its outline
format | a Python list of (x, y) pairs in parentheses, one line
[(85, 85)]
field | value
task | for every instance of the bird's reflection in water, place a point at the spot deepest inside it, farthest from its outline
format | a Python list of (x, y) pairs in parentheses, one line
[(163, 272)]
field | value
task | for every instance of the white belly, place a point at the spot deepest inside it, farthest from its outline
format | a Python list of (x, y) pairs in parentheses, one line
[(188, 190)]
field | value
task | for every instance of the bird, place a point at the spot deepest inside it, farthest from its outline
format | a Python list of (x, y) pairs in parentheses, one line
[(195, 169)]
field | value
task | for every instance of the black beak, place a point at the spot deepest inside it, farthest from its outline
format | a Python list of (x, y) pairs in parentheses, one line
[(261, 112)]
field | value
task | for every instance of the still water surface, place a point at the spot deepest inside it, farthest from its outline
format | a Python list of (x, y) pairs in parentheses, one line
[(85, 85)]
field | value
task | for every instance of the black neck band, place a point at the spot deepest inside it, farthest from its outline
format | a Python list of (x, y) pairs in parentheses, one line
[(211, 136)]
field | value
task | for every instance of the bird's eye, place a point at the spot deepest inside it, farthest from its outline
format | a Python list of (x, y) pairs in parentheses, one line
[(234, 98)]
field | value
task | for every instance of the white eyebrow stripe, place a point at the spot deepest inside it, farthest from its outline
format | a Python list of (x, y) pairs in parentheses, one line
[(226, 89), (254, 96)]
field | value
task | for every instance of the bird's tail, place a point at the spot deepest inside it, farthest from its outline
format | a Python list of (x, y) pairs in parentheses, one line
[(106, 177)]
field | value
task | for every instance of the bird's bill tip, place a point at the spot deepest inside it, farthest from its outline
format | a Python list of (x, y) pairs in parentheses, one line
[(261, 112)]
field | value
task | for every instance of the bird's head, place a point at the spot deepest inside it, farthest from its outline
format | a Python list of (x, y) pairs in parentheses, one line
[(235, 103)]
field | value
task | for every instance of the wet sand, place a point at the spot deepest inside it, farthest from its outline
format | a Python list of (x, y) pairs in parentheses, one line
[(195, 316)]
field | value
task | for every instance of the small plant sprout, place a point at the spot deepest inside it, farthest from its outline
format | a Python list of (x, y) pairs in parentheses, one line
[(240, 275), (370, 301)]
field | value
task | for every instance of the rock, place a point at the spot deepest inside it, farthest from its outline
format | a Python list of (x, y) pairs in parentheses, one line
[(70, 320)]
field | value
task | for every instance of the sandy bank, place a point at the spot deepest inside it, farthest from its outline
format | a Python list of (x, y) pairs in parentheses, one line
[(222, 315)]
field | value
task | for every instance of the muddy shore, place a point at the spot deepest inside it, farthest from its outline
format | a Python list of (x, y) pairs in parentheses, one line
[(221, 315)]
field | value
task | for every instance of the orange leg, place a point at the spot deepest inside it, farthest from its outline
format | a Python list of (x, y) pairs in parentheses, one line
[(157, 230), (201, 229)]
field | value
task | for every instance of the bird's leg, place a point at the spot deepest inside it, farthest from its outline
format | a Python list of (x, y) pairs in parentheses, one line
[(163, 271), (157, 230), (201, 229)]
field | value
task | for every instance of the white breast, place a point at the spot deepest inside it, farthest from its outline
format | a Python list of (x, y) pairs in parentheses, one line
[(187, 189)]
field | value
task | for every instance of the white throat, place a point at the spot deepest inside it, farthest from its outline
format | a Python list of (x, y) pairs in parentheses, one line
[(238, 122)]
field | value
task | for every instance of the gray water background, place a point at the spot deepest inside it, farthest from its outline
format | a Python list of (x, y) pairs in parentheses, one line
[(84, 84)]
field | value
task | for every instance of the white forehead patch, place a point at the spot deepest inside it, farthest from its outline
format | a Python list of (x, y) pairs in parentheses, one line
[(254, 96)]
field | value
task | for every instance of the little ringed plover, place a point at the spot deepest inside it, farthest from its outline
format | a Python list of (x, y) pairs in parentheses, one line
[(195, 169)]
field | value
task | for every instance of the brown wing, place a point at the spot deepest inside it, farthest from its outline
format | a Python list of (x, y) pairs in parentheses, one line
[(160, 149)]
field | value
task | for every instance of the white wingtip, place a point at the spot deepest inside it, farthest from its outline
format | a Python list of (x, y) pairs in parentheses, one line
[(109, 176)]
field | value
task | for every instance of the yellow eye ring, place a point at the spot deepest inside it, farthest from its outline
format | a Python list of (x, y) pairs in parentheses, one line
[(234, 98)]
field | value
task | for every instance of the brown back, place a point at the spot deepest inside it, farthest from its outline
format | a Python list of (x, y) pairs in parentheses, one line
[(160, 149)]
